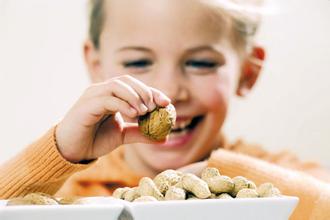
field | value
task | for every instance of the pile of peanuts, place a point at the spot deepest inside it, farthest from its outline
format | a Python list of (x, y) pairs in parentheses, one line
[(34, 199), (39, 198), (175, 185)]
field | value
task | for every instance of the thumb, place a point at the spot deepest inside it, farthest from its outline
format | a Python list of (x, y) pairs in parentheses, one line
[(132, 134)]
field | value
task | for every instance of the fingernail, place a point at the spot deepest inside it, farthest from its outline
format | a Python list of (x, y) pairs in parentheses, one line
[(143, 108), (166, 99)]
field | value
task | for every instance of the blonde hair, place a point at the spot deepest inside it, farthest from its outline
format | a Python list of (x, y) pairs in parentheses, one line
[(244, 19), (96, 21)]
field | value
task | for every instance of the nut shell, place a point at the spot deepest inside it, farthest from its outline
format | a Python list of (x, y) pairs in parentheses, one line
[(174, 193), (158, 124), (119, 193), (247, 193), (268, 190), (166, 179), (147, 187), (67, 200), (196, 186), (240, 183), (145, 199), (225, 196), (209, 172), (33, 199), (220, 184), (132, 194)]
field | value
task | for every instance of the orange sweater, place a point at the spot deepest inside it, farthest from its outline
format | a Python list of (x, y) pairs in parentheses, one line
[(40, 167)]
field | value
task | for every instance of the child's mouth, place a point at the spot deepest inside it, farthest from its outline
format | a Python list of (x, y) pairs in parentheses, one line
[(182, 132), (186, 125)]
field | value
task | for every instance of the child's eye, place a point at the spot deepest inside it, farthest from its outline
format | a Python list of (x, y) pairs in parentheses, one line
[(138, 64), (201, 64)]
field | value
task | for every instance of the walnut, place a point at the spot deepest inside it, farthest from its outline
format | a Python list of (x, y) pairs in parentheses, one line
[(158, 123)]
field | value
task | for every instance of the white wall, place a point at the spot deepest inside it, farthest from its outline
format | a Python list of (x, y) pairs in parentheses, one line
[(290, 107), (42, 73), (41, 67)]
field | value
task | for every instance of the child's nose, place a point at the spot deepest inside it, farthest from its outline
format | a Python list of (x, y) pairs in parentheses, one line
[(174, 85)]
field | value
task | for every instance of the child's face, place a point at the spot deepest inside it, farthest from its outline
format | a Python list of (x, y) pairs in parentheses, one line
[(172, 46)]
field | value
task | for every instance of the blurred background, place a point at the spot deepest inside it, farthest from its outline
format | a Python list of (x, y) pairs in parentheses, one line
[(42, 73)]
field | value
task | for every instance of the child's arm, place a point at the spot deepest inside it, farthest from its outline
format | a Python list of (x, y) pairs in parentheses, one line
[(283, 158), (92, 128), (314, 195)]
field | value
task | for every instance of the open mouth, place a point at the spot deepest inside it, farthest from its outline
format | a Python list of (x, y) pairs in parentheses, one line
[(182, 133), (186, 126)]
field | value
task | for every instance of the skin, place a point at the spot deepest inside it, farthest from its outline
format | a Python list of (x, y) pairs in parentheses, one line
[(166, 52)]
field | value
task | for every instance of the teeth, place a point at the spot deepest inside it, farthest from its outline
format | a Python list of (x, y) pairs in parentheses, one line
[(182, 124)]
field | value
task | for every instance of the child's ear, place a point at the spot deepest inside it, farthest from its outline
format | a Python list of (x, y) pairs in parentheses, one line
[(250, 71), (92, 60)]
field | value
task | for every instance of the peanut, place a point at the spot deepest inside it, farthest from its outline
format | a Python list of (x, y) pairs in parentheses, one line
[(247, 193), (239, 184), (119, 193), (195, 185), (132, 194), (166, 179), (148, 188), (146, 199), (268, 190), (174, 193), (224, 196)]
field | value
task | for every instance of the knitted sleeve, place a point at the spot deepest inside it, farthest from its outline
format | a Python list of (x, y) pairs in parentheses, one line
[(314, 195), (38, 168)]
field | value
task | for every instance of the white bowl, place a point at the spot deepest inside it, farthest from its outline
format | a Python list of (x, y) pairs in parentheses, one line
[(107, 208), (237, 209), (101, 209)]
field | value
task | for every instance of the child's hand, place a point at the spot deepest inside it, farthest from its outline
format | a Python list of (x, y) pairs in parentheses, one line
[(93, 127)]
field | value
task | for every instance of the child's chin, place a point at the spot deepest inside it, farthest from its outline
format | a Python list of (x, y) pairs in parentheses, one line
[(164, 164), (160, 160)]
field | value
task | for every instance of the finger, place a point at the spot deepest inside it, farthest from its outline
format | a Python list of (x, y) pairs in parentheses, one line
[(97, 89), (89, 112), (160, 98), (114, 104), (119, 89), (128, 94), (104, 88), (195, 168), (94, 110), (132, 134), (143, 91)]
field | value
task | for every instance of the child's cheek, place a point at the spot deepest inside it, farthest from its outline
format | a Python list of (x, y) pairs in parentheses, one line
[(214, 91)]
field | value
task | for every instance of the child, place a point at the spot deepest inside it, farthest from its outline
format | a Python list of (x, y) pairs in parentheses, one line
[(143, 54)]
